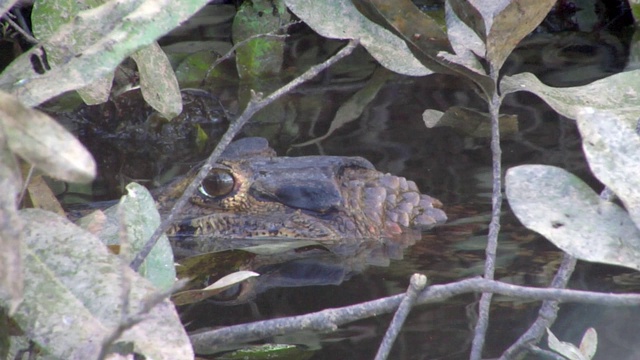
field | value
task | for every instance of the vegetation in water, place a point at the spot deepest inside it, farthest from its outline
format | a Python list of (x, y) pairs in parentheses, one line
[(74, 298)]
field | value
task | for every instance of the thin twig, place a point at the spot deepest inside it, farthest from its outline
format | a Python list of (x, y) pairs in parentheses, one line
[(256, 103), (547, 314), (494, 226), (416, 285), (329, 320), (18, 28)]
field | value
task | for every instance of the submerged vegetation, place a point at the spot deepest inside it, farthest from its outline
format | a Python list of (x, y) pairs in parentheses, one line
[(70, 295)]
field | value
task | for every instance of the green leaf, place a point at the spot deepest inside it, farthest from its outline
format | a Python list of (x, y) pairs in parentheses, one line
[(565, 210), (73, 295), (124, 27), (619, 93), (259, 57), (158, 82), (138, 211), (612, 147), (43, 142), (340, 19)]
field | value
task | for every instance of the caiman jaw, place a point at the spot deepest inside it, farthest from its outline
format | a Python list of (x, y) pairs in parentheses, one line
[(313, 197)]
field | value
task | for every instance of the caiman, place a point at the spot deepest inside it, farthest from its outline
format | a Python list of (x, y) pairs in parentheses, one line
[(253, 193)]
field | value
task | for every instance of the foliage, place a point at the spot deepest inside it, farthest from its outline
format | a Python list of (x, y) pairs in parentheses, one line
[(42, 252)]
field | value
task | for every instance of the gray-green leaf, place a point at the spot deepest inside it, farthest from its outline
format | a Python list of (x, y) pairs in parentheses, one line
[(612, 147), (340, 19), (73, 295), (619, 93), (565, 210), (43, 142)]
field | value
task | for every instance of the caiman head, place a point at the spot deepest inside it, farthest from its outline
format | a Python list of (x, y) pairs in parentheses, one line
[(253, 193)]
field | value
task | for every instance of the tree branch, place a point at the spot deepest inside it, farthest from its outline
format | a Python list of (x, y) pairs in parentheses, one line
[(416, 285), (329, 320)]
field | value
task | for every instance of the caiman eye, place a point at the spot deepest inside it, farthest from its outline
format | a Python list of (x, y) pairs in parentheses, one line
[(219, 182)]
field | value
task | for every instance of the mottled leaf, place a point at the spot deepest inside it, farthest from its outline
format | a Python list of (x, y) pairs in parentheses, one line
[(466, 12), (427, 40), (465, 42), (44, 143), (509, 21), (47, 17), (192, 296), (347, 23), (619, 93), (141, 218), (263, 56), (351, 109), (73, 295), (565, 210), (11, 236), (124, 27), (158, 82), (612, 147), (470, 122)]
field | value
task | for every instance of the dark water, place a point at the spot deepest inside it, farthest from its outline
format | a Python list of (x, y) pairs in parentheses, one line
[(455, 169)]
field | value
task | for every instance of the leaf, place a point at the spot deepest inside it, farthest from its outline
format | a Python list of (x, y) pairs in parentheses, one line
[(47, 17), (589, 343), (618, 93), (466, 12), (562, 208), (612, 147), (351, 109), (40, 196), (465, 42), (511, 24), (427, 40), (565, 349), (138, 211), (259, 57), (470, 122), (340, 19), (11, 237), (192, 296), (97, 92), (124, 27), (43, 142), (158, 82), (73, 295)]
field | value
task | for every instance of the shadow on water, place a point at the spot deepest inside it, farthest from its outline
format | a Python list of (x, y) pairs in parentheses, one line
[(450, 166)]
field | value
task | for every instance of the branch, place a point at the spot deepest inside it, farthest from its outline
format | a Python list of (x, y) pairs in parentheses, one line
[(416, 285), (494, 226), (256, 103), (547, 314), (329, 320)]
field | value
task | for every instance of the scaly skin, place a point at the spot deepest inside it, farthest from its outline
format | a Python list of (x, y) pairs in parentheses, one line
[(323, 198)]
